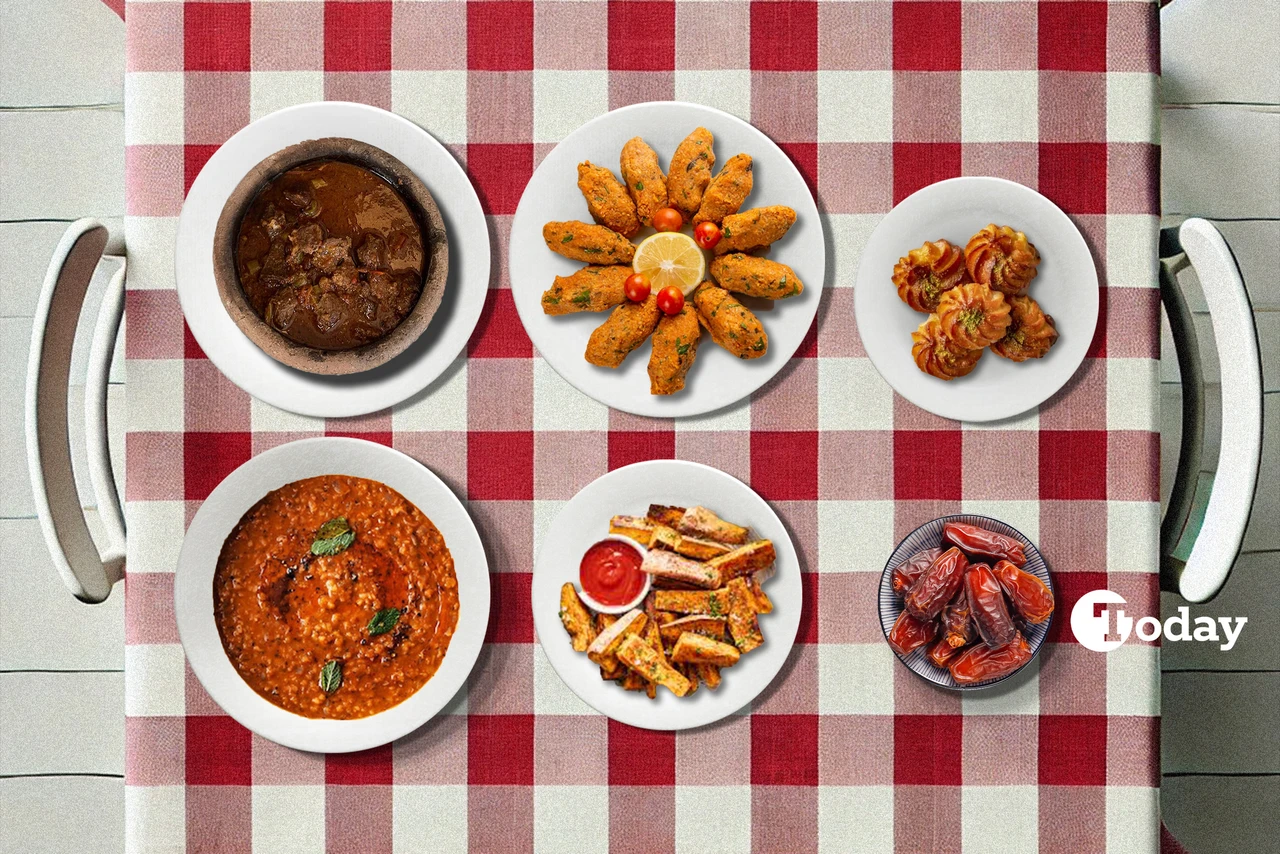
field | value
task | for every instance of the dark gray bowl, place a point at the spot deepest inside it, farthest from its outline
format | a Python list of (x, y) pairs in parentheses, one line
[(927, 536)]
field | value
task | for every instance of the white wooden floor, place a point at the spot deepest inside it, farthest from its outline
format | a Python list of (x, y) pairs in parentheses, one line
[(61, 685)]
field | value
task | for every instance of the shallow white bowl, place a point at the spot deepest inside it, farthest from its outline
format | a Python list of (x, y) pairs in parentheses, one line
[(244, 487), (632, 489)]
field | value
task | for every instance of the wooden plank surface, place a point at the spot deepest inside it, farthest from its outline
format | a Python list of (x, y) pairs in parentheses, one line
[(60, 52), (1220, 161), (15, 343), (25, 248), (1220, 723), (89, 637), (1220, 51), (62, 164), (1222, 815), (62, 815), (61, 723)]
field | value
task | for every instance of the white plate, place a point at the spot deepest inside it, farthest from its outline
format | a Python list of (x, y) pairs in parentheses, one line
[(717, 379), (630, 490), (244, 487), (1066, 286), (355, 394)]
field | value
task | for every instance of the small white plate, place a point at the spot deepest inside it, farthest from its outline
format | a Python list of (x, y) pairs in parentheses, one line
[(717, 378), (312, 394), (630, 490), (244, 487), (1066, 286)]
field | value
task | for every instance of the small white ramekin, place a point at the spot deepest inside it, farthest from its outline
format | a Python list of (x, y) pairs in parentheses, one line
[(617, 609)]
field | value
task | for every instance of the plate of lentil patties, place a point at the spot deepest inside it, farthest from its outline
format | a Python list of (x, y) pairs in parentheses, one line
[(976, 298), (603, 188)]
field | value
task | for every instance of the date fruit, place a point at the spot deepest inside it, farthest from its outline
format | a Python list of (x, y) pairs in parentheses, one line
[(906, 573), (941, 652), (980, 541), (980, 663), (909, 634), (957, 623), (986, 602), (1030, 596), (937, 586)]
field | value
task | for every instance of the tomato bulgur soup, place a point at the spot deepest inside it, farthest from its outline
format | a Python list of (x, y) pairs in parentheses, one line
[(335, 597)]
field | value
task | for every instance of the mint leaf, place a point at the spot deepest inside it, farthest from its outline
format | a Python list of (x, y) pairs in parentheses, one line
[(331, 676), (384, 621), (333, 537)]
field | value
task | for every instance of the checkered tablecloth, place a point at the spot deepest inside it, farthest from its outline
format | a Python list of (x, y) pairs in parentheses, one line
[(847, 751)]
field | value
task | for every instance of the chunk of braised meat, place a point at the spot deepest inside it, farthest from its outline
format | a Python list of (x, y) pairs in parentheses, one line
[(331, 253), (345, 279), (307, 297), (300, 197), (331, 312), (282, 309), (372, 253), (274, 262), (274, 221), (382, 286), (305, 239)]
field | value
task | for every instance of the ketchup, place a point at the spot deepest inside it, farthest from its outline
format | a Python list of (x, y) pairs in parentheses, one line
[(610, 573)]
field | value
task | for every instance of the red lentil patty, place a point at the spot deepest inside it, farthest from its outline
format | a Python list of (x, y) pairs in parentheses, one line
[(284, 613)]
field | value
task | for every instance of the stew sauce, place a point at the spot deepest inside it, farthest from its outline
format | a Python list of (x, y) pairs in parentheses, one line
[(330, 255), (284, 613)]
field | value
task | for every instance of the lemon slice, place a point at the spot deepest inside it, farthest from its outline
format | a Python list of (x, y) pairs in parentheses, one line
[(671, 258)]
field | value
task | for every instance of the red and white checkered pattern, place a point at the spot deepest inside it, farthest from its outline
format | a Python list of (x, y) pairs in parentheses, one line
[(846, 751)]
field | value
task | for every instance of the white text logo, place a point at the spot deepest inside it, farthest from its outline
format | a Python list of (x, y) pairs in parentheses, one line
[(1101, 625)]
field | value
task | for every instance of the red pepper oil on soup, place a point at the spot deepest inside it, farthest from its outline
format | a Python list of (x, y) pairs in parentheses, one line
[(330, 256), (335, 635)]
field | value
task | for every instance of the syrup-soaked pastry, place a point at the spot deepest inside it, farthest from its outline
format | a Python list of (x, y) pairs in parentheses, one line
[(937, 356), (925, 274), (1030, 334), (973, 316), (1002, 258)]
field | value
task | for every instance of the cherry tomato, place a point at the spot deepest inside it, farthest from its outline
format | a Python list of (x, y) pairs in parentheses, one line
[(667, 219), (670, 300), (637, 287), (706, 234)]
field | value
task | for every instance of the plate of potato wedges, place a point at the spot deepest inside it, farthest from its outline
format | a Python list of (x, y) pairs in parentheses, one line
[(667, 259), (713, 617)]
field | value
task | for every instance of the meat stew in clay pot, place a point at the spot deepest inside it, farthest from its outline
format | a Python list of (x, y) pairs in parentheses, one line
[(331, 256)]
